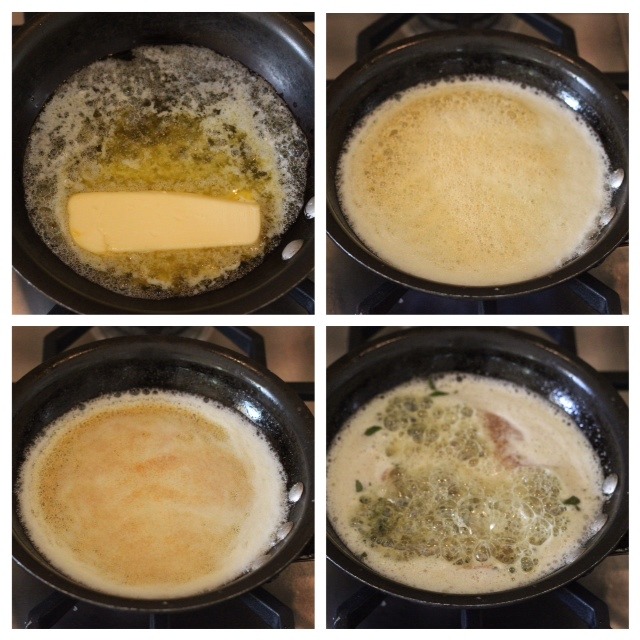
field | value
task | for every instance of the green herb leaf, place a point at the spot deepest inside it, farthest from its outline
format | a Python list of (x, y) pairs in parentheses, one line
[(371, 430), (359, 486), (434, 392), (573, 501)]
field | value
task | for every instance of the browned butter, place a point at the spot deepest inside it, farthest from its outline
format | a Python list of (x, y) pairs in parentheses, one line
[(155, 495)]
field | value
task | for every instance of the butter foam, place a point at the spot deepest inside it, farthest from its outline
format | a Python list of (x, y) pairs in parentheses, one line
[(474, 182), (152, 494)]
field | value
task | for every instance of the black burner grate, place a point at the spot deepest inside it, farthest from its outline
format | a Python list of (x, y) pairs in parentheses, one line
[(546, 25), (257, 609), (571, 607), (584, 294)]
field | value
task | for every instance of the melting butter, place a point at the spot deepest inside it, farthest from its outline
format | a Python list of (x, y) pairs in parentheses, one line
[(116, 221)]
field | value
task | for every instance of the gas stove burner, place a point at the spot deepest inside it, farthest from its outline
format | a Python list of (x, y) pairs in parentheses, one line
[(584, 294), (117, 332), (442, 21), (257, 609), (571, 607), (411, 24), (362, 292)]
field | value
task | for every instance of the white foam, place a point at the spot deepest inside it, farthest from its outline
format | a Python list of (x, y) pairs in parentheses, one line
[(152, 495), (474, 182)]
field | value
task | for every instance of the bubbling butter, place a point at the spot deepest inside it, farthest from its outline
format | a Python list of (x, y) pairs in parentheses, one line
[(172, 118), (463, 484), (475, 182), (152, 494)]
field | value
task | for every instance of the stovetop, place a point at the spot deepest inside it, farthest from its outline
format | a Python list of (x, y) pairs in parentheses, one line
[(288, 600), (600, 598), (602, 40)]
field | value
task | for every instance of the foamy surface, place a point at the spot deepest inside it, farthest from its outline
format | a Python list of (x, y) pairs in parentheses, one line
[(474, 182), (469, 485), (174, 118), (152, 495)]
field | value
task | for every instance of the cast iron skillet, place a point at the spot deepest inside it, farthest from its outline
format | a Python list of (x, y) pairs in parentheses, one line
[(54, 46), (526, 60), (509, 355), (183, 364)]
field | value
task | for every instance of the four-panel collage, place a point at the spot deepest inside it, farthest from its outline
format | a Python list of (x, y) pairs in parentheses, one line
[(450, 470)]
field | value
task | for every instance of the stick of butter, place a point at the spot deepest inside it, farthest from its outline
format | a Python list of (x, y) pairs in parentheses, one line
[(118, 221)]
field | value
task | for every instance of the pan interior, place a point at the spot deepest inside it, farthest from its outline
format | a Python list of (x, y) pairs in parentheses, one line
[(169, 469), (442, 174), (451, 457), (124, 364), (175, 119), (502, 355), (364, 87)]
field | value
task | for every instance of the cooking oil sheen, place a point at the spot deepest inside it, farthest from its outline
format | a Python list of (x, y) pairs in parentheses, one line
[(463, 484)]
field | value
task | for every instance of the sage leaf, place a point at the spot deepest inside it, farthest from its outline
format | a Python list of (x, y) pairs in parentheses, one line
[(572, 501)]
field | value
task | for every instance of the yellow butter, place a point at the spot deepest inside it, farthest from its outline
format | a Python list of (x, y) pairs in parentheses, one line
[(119, 221)]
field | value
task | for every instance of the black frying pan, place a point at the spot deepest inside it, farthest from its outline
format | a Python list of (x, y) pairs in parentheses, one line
[(532, 62), (560, 377), (186, 365), (54, 46)]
